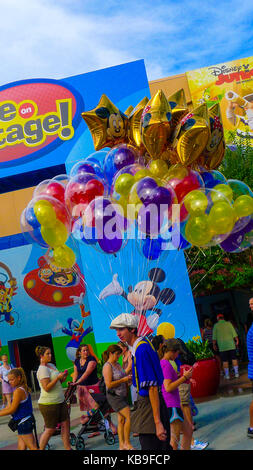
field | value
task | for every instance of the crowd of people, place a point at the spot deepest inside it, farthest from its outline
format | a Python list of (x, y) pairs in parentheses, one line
[(149, 389)]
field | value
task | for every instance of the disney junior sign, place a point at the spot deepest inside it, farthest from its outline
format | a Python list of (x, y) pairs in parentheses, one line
[(34, 116)]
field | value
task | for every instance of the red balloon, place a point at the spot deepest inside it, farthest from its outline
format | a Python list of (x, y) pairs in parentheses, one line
[(74, 193), (94, 188), (55, 190), (185, 185)]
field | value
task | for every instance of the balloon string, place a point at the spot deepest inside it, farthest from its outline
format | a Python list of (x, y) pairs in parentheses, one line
[(207, 272)]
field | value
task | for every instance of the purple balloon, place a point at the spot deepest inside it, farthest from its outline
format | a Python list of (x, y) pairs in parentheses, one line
[(160, 196), (232, 242), (85, 168), (83, 179), (150, 220), (111, 246), (124, 156), (145, 188), (248, 227)]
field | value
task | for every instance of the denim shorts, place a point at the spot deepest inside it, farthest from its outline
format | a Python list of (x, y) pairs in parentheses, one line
[(26, 427)]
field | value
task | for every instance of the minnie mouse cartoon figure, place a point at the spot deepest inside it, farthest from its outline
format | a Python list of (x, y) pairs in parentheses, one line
[(144, 297)]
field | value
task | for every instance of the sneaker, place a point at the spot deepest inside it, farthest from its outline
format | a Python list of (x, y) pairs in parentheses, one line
[(227, 377), (237, 375), (250, 432), (198, 445)]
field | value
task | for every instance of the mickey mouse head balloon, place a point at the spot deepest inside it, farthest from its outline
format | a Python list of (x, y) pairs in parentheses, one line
[(107, 124)]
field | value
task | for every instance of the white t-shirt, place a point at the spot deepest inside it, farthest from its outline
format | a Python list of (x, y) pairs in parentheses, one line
[(55, 395)]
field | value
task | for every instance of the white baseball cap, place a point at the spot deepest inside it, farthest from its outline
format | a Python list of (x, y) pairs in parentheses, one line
[(124, 320)]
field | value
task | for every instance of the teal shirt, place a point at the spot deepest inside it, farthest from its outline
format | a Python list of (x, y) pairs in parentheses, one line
[(224, 333)]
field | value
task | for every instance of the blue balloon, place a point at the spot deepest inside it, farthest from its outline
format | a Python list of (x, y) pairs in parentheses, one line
[(152, 248), (88, 235), (37, 237), (31, 218), (212, 178), (97, 157), (109, 167)]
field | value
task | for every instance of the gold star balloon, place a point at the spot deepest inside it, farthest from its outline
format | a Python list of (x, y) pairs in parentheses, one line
[(134, 118), (129, 110), (214, 152), (178, 106), (192, 135), (217, 157), (155, 125), (107, 124)]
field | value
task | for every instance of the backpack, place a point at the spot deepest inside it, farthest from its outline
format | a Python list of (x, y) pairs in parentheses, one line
[(186, 357)]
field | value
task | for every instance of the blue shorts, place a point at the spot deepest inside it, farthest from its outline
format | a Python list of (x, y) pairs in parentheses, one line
[(175, 413), (26, 427)]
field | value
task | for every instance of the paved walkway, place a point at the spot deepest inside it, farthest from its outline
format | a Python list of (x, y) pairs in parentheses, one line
[(222, 420)]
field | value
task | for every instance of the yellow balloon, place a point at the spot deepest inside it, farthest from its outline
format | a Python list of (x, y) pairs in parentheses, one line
[(55, 236), (167, 330), (123, 202), (222, 192), (195, 202), (141, 174), (243, 206), (134, 203), (158, 168), (221, 218), (177, 171), (63, 257), (123, 183), (198, 230), (45, 213)]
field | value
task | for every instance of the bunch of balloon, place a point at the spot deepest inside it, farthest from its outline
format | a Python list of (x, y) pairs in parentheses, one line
[(47, 222), (209, 217)]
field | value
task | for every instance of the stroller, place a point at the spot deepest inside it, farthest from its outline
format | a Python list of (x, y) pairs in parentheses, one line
[(98, 422)]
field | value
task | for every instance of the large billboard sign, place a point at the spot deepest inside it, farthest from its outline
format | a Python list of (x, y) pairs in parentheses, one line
[(36, 116), (231, 84)]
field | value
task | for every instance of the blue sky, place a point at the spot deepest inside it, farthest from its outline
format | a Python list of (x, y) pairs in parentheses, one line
[(56, 39)]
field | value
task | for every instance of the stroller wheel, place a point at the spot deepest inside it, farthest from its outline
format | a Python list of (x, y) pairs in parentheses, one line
[(80, 444), (109, 438), (72, 439)]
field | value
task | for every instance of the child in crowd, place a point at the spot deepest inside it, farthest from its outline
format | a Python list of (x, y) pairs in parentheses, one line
[(168, 353), (21, 410)]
